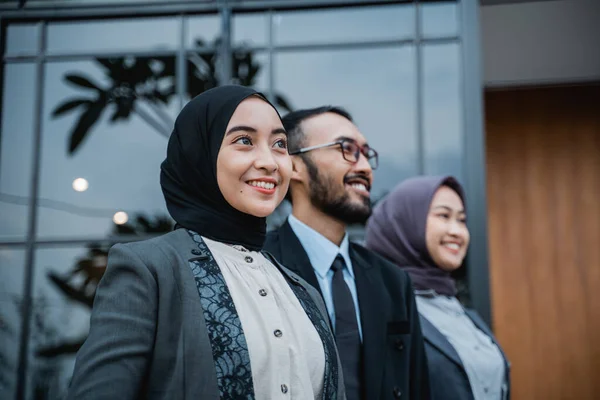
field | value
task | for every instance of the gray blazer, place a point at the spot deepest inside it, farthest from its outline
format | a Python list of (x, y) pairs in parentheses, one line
[(148, 337), (447, 375)]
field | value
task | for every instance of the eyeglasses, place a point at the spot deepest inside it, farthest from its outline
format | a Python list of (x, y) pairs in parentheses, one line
[(351, 151)]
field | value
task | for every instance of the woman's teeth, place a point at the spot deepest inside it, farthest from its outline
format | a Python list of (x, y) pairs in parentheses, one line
[(452, 246), (261, 184)]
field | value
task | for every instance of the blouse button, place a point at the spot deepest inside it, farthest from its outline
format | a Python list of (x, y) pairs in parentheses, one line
[(277, 333), (284, 388), (262, 292), (196, 252), (248, 259)]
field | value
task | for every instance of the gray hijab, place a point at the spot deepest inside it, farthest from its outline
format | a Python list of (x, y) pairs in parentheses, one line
[(396, 230)]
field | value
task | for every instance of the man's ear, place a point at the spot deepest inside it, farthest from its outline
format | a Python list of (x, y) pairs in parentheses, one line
[(298, 169)]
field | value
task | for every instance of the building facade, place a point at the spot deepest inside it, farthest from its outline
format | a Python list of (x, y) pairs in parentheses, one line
[(90, 91)]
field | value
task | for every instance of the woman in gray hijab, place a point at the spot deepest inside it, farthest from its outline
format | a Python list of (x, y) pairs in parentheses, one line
[(421, 227)]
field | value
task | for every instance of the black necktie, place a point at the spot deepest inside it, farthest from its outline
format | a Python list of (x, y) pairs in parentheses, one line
[(346, 330)]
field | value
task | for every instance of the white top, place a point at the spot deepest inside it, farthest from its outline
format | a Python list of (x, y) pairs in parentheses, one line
[(321, 253), (481, 358), (286, 352)]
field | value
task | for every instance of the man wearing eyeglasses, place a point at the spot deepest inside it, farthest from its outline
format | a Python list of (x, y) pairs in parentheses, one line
[(370, 301)]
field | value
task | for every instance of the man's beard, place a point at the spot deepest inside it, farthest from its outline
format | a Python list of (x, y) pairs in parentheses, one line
[(340, 207)]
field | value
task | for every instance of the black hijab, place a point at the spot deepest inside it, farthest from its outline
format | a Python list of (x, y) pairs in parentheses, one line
[(397, 230), (189, 173)]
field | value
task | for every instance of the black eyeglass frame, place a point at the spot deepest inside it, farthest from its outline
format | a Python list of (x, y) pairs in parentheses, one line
[(370, 154)]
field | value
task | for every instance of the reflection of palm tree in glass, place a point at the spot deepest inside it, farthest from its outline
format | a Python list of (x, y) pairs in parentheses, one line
[(80, 283), (8, 334), (144, 85), (43, 375)]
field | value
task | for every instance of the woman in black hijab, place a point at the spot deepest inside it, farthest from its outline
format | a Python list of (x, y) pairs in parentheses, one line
[(202, 312)]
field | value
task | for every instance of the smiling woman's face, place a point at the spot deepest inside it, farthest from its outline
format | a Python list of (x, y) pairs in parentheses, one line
[(253, 165), (447, 235)]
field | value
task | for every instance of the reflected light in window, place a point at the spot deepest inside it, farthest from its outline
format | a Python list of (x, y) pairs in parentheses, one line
[(120, 218), (80, 185)]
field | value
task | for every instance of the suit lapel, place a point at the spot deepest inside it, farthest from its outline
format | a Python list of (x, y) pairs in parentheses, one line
[(439, 341), (479, 322), (373, 304), (294, 257)]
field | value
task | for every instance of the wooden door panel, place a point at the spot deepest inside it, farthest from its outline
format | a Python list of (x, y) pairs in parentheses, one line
[(543, 170)]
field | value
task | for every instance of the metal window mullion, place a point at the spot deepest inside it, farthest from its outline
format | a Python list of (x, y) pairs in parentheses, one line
[(354, 44), (27, 305), (207, 50), (85, 55), (225, 72), (124, 9), (73, 241), (365, 44), (113, 10), (3, 37), (474, 156), (181, 62), (271, 57), (461, 85), (419, 100)]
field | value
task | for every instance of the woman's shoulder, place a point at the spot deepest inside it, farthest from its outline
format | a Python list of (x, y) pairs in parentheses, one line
[(155, 250)]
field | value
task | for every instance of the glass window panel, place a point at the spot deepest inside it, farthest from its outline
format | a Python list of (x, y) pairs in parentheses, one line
[(10, 333), (439, 19), (12, 272), (67, 276), (52, 345), (12, 265), (250, 29), (9, 4), (202, 30), (108, 122), (382, 103), (442, 110), (113, 35), (64, 286), (249, 68), (202, 72), (16, 147), (22, 39), (358, 24)]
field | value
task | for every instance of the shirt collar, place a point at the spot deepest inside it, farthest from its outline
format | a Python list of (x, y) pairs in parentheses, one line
[(426, 292), (320, 250)]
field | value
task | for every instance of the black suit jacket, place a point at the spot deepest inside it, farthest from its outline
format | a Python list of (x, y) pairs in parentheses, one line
[(449, 380), (395, 366)]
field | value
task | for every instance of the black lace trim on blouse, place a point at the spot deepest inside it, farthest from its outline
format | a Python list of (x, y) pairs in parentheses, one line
[(229, 347)]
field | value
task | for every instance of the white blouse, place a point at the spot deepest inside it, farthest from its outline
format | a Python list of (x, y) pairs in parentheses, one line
[(481, 358), (286, 352)]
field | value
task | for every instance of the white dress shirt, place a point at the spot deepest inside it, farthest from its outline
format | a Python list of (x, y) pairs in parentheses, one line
[(286, 352), (321, 253)]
